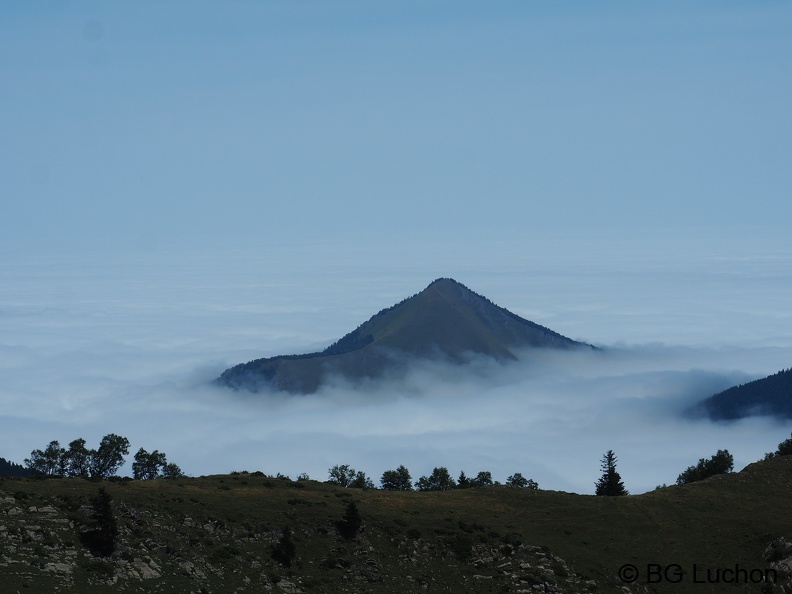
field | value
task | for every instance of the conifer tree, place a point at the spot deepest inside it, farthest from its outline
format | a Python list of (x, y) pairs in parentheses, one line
[(351, 522), (100, 538), (610, 483)]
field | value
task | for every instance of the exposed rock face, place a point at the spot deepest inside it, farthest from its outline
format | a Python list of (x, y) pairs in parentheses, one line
[(220, 533), (41, 551)]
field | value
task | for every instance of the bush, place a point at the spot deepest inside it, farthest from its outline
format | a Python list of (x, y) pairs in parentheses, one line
[(722, 462), (784, 448)]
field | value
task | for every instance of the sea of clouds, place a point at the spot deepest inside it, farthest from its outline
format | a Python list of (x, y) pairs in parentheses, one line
[(128, 342)]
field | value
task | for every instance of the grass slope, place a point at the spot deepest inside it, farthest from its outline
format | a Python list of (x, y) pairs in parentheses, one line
[(216, 534)]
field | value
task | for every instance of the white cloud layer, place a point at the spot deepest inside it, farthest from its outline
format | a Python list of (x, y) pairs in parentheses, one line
[(129, 344)]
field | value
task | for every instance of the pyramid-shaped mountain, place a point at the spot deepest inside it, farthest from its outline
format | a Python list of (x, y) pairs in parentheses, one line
[(445, 321)]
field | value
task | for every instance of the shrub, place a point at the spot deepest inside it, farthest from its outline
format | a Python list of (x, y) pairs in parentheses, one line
[(722, 462)]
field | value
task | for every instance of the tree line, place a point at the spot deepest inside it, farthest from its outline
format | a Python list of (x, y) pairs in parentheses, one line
[(103, 462), (77, 460), (610, 483), (440, 479)]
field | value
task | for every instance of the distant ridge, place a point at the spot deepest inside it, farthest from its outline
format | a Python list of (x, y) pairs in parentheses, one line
[(446, 321), (8, 468), (768, 396)]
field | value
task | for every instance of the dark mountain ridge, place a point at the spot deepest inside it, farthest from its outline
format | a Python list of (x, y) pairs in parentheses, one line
[(768, 396), (9, 468), (446, 321)]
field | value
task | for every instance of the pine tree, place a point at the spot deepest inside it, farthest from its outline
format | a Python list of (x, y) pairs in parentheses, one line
[(100, 538), (610, 483), (351, 522)]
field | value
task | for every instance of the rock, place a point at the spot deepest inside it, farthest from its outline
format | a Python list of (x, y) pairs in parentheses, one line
[(145, 571), (288, 587), (59, 567)]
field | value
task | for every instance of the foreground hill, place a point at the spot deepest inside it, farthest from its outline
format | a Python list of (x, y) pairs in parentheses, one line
[(217, 534), (445, 321), (769, 396)]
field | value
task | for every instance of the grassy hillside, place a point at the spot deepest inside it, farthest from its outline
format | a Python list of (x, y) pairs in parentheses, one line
[(216, 534)]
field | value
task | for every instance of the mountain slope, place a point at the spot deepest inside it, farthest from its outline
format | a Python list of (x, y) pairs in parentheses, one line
[(771, 396), (218, 533), (8, 468), (446, 320)]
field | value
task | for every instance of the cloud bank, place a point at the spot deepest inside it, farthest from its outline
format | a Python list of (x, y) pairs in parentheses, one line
[(133, 351)]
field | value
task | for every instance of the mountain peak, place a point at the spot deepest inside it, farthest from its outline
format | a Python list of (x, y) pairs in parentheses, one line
[(446, 320)]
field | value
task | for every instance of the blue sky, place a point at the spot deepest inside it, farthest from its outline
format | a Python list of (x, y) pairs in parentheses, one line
[(260, 122), (188, 185)]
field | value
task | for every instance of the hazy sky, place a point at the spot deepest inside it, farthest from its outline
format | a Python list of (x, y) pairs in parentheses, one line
[(188, 185), (153, 122)]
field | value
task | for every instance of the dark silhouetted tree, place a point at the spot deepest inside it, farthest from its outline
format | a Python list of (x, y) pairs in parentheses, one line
[(171, 471), (397, 480), (109, 457), (610, 483), (439, 480), (351, 522), (519, 481), (361, 481), (78, 459), (147, 465), (102, 530), (784, 448), (341, 475), (8, 468), (463, 482), (483, 479), (721, 463), (49, 462)]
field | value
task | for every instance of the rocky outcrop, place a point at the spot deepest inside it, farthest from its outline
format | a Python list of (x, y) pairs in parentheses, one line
[(41, 550)]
